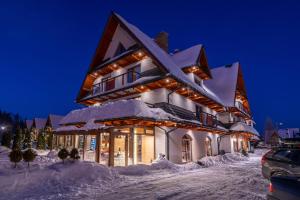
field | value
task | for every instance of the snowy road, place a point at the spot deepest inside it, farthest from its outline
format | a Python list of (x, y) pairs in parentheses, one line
[(240, 180)]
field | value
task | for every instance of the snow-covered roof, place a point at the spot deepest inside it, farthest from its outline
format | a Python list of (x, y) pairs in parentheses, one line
[(40, 123), (90, 125), (187, 57), (115, 110), (242, 127), (166, 60), (29, 123), (55, 120), (224, 83)]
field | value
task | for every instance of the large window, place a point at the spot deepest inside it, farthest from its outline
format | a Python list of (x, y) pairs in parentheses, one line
[(104, 148), (143, 145), (90, 148), (186, 148), (208, 146), (120, 49), (133, 73)]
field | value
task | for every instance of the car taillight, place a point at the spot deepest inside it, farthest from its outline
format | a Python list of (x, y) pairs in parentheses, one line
[(271, 189)]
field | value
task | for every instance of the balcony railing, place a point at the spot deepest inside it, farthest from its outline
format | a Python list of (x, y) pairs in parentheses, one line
[(206, 119), (240, 106), (119, 81)]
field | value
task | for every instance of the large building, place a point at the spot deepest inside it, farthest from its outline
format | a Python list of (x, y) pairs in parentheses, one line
[(143, 101)]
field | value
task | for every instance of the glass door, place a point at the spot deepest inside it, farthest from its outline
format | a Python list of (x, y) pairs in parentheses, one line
[(120, 150)]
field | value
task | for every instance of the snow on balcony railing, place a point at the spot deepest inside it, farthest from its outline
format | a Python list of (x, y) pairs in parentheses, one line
[(115, 82)]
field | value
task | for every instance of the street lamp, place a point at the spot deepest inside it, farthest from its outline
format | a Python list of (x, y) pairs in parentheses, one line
[(3, 128)]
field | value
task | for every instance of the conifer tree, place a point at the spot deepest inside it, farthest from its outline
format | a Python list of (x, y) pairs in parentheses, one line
[(74, 154), (27, 143), (15, 156), (29, 156), (41, 141), (63, 154), (50, 140), (6, 139), (17, 139)]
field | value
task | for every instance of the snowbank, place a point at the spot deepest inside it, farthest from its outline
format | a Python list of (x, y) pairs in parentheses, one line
[(218, 160)]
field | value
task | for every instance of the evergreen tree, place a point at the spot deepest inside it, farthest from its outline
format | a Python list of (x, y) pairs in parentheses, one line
[(29, 156), (15, 156), (17, 139), (27, 143), (6, 139), (63, 154), (41, 141), (74, 154), (50, 140)]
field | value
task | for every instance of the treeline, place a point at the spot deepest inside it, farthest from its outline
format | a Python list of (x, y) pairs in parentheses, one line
[(12, 129)]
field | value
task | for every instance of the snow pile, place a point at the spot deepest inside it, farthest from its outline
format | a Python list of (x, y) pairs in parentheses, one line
[(4, 150), (113, 110), (218, 160), (158, 165)]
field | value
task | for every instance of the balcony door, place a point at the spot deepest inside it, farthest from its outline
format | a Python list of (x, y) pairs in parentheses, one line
[(133, 73), (109, 83)]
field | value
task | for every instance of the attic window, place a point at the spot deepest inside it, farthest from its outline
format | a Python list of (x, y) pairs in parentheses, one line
[(121, 49)]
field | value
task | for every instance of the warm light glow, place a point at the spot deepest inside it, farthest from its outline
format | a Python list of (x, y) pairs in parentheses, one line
[(194, 68), (96, 74), (115, 65), (140, 54), (195, 95), (183, 88), (167, 80), (142, 87), (97, 104)]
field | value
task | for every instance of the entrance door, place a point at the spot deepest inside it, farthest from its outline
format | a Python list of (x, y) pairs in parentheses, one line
[(120, 150)]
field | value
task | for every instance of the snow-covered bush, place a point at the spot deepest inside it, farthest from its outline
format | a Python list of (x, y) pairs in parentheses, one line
[(63, 154), (29, 156), (15, 156)]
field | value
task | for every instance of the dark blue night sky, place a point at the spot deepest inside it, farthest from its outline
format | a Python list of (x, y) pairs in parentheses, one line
[(46, 48)]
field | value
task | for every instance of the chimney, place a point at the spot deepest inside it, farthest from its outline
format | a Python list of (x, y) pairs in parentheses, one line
[(162, 40)]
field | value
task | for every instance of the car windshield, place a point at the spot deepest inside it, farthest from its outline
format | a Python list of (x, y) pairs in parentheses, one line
[(288, 155)]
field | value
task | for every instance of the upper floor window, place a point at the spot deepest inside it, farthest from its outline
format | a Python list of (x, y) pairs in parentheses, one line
[(133, 73), (121, 49)]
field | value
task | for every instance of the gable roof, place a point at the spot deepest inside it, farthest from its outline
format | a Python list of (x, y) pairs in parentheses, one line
[(54, 120), (165, 60), (29, 124), (187, 57), (39, 123), (224, 83)]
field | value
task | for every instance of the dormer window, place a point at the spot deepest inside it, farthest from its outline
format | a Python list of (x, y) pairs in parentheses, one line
[(198, 81), (121, 49)]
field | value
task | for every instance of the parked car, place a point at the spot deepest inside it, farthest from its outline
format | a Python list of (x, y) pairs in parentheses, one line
[(284, 188), (281, 162)]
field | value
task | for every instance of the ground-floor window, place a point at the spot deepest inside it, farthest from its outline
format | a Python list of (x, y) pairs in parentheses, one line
[(235, 146), (117, 147), (186, 148), (90, 148), (208, 147), (143, 145), (104, 148)]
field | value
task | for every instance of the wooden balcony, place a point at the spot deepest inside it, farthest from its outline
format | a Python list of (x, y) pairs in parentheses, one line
[(204, 118), (112, 83)]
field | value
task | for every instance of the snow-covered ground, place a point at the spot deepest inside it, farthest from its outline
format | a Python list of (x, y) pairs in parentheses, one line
[(231, 176)]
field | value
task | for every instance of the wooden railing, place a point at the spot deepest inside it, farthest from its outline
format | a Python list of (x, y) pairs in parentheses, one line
[(207, 119), (115, 82)]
